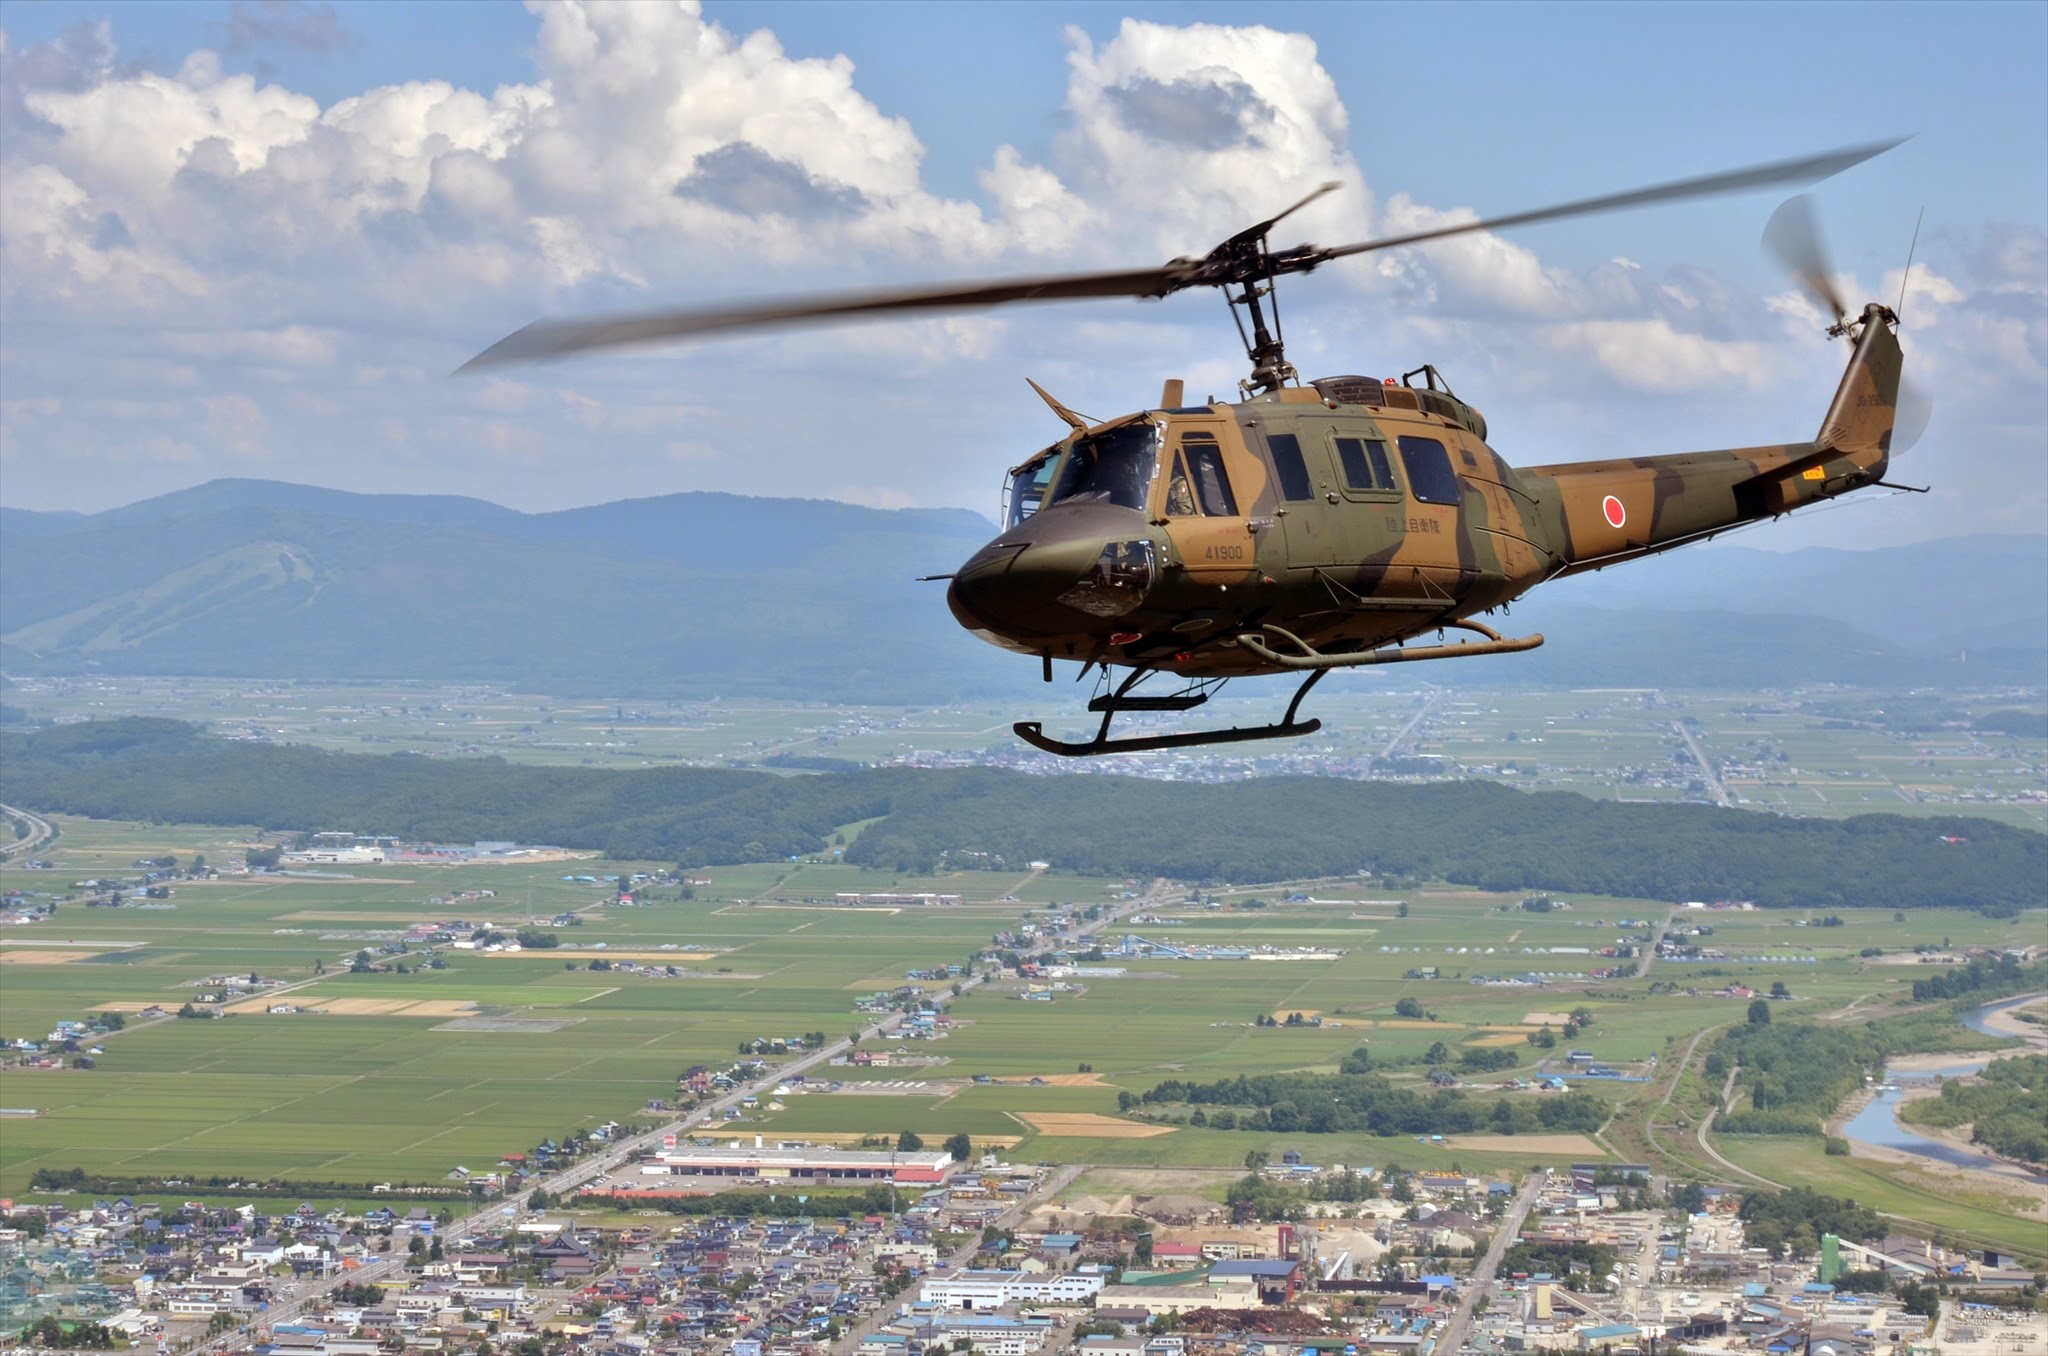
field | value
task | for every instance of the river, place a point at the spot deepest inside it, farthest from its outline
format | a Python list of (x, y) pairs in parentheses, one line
[(1878, 1122), (1974, 1018)]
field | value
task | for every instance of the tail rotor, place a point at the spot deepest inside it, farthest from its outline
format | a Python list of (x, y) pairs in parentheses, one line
[(1793, 238)]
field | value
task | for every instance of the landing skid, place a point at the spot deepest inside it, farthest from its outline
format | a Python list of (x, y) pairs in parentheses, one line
[(1301, 656), (1033, 732)]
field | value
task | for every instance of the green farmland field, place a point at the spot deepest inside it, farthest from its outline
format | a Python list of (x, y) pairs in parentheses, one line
[(399, 1090)]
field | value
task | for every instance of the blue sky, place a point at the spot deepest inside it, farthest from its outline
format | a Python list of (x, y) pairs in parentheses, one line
[(206, 274)]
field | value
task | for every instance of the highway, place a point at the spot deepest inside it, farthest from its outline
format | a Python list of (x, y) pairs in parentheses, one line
[(40, 832)]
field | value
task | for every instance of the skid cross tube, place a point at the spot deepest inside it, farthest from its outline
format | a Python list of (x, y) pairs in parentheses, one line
[(1493, 642)]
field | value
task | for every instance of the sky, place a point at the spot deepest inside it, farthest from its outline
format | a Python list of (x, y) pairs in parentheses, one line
[(255, 238)]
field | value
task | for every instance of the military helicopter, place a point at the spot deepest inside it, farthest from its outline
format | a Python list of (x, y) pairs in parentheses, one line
[(1319, 525)]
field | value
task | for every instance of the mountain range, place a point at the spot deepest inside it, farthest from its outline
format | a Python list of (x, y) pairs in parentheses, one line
[(703, 594)]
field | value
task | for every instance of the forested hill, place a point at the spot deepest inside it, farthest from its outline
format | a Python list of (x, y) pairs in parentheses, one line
[(1471, 833), (689, 594), (703, 595)]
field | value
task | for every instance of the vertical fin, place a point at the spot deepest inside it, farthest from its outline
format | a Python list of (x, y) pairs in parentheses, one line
[(1860, 418)]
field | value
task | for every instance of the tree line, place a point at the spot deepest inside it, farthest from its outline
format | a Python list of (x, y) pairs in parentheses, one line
[(79, 1181), (82, 1334), (1980, 981), (1365, 1103), (1796, 1073), (1471, 833)]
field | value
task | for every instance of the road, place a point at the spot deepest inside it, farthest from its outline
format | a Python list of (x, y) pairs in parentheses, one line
[(1649, 953), (1708, 774), (582, 1174), (618, 1155), (1398, 740), (269, 995), (1642, 1263), (1684, 1063), (1021, 1210), (370, 1273), (1707, 1145), (1481, 1283), (292, 1301), (624, 1151), (311, 1293), (40, 832)]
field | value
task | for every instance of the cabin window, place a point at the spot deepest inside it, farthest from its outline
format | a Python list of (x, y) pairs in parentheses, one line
[(1180, 491), (1429, 471), (1113, 468), (1382, 470), (1365, 464), (1288, 465), (1205, 471), (1028, 484)]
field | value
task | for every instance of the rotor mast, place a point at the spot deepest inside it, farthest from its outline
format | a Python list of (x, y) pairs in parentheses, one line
[(1266, 349), (1245, 264)]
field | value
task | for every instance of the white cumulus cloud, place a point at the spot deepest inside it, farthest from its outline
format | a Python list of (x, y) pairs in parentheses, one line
[(270, 278)]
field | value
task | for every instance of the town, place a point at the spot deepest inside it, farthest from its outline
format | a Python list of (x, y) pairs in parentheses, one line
[(277, 1094), (1005, 1259)]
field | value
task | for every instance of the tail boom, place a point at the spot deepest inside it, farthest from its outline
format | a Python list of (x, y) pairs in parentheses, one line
[(1601, 513)]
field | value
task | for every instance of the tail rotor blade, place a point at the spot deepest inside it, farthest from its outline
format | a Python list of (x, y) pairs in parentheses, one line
[(1911, 416), (1793, 239)]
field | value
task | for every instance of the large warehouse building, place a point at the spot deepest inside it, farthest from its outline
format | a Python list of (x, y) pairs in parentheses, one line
[(969, 1289), (730, 1166)]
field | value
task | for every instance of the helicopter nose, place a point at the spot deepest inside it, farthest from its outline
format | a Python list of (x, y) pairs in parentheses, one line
[(1007, 586), (1049, 577)]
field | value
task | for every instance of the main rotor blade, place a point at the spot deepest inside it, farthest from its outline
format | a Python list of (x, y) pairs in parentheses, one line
[(1254, 234), (558, 338), (1237, 261), (1806, 169), (1793, 238)]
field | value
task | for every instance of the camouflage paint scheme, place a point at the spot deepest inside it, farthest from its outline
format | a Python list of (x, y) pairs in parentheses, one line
[(1351, 568)]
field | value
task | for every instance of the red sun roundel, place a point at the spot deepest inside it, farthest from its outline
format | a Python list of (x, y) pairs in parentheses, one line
[(1616, 514)]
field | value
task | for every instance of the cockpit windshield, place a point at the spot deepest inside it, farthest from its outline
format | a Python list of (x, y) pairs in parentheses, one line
[(1113, 467), (1028, 485)]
